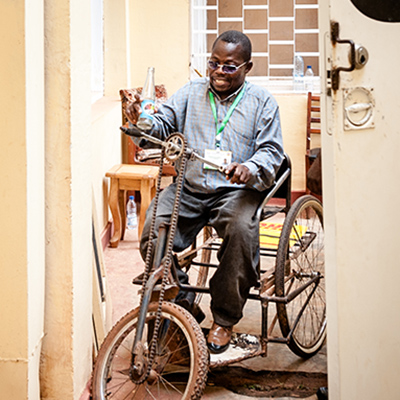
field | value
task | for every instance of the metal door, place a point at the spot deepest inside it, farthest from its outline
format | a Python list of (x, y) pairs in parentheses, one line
[(360, 85)]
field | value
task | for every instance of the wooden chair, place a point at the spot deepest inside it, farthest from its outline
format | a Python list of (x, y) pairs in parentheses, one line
[(136, 155), (313, 136)]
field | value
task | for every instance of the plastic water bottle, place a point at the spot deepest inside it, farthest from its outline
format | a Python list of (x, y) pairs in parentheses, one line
[(145, 121), (298, 73), (309, 79), (131, 213)]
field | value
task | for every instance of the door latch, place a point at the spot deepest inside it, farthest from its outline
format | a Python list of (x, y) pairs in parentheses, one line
[(335, 77)]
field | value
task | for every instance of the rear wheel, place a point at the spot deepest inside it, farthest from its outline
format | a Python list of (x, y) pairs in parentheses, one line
[(180, 366), (300, 258)]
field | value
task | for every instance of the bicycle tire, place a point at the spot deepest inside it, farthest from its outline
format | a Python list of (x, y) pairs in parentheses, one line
[(180, 367), (300, 256)]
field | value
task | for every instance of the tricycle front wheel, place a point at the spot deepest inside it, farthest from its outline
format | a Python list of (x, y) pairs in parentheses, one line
[(179, 370)]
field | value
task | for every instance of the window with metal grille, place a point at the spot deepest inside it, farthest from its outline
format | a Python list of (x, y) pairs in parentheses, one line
[(278, 29)]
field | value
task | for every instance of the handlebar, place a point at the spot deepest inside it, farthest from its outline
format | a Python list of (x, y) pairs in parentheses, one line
[(173, 146)]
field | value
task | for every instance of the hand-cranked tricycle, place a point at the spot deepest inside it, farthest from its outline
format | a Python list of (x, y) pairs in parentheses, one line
[(158, 350)]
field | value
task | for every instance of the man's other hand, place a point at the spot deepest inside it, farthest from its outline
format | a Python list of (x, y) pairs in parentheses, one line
[(237, 173)]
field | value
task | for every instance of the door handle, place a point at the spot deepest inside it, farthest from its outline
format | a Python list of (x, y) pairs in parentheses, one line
[(335, 77)]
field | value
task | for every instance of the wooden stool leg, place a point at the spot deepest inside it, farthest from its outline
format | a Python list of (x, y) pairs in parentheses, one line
[(114, 207), (146, 196), (122, 211)]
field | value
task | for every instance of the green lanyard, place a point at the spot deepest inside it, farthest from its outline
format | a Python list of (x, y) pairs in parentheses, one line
[(227, 116)]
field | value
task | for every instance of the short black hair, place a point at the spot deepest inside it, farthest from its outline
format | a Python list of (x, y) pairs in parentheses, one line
[(236, 37)]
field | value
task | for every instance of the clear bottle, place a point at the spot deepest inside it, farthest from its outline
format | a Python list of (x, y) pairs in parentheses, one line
[(309, 79), (298, 73), (145, 121), (131, 216)]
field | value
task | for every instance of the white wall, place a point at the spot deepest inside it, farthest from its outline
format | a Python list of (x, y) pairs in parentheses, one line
[(22, 261), (106, 147), (293, 113), (160, 38)]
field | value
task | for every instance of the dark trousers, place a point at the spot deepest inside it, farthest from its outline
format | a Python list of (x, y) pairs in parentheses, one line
[(232, 214)]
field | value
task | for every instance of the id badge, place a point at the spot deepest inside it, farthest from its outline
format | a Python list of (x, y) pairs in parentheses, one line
[(218, 157)]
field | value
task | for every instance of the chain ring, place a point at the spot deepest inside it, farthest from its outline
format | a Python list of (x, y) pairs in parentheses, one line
[(172, 153)]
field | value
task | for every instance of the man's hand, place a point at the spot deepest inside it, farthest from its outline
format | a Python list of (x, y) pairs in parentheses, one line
[(237, 173)]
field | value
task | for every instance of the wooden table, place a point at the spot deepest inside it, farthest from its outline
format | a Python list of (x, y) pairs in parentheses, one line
[(129, 177)]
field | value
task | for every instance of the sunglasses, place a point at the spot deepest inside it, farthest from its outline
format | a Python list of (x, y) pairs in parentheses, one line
[(226, 69)]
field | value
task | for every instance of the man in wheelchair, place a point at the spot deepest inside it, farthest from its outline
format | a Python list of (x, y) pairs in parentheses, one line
[(229, 121)]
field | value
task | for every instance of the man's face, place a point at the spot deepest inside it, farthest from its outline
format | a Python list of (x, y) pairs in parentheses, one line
[(231, 54)]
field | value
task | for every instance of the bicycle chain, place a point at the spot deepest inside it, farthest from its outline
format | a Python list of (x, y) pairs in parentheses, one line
[(169, 249)]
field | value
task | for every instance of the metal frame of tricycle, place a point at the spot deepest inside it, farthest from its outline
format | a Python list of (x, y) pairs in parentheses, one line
[(280, 190)]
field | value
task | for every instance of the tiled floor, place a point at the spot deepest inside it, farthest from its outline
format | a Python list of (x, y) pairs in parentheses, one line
[(124, 263)]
